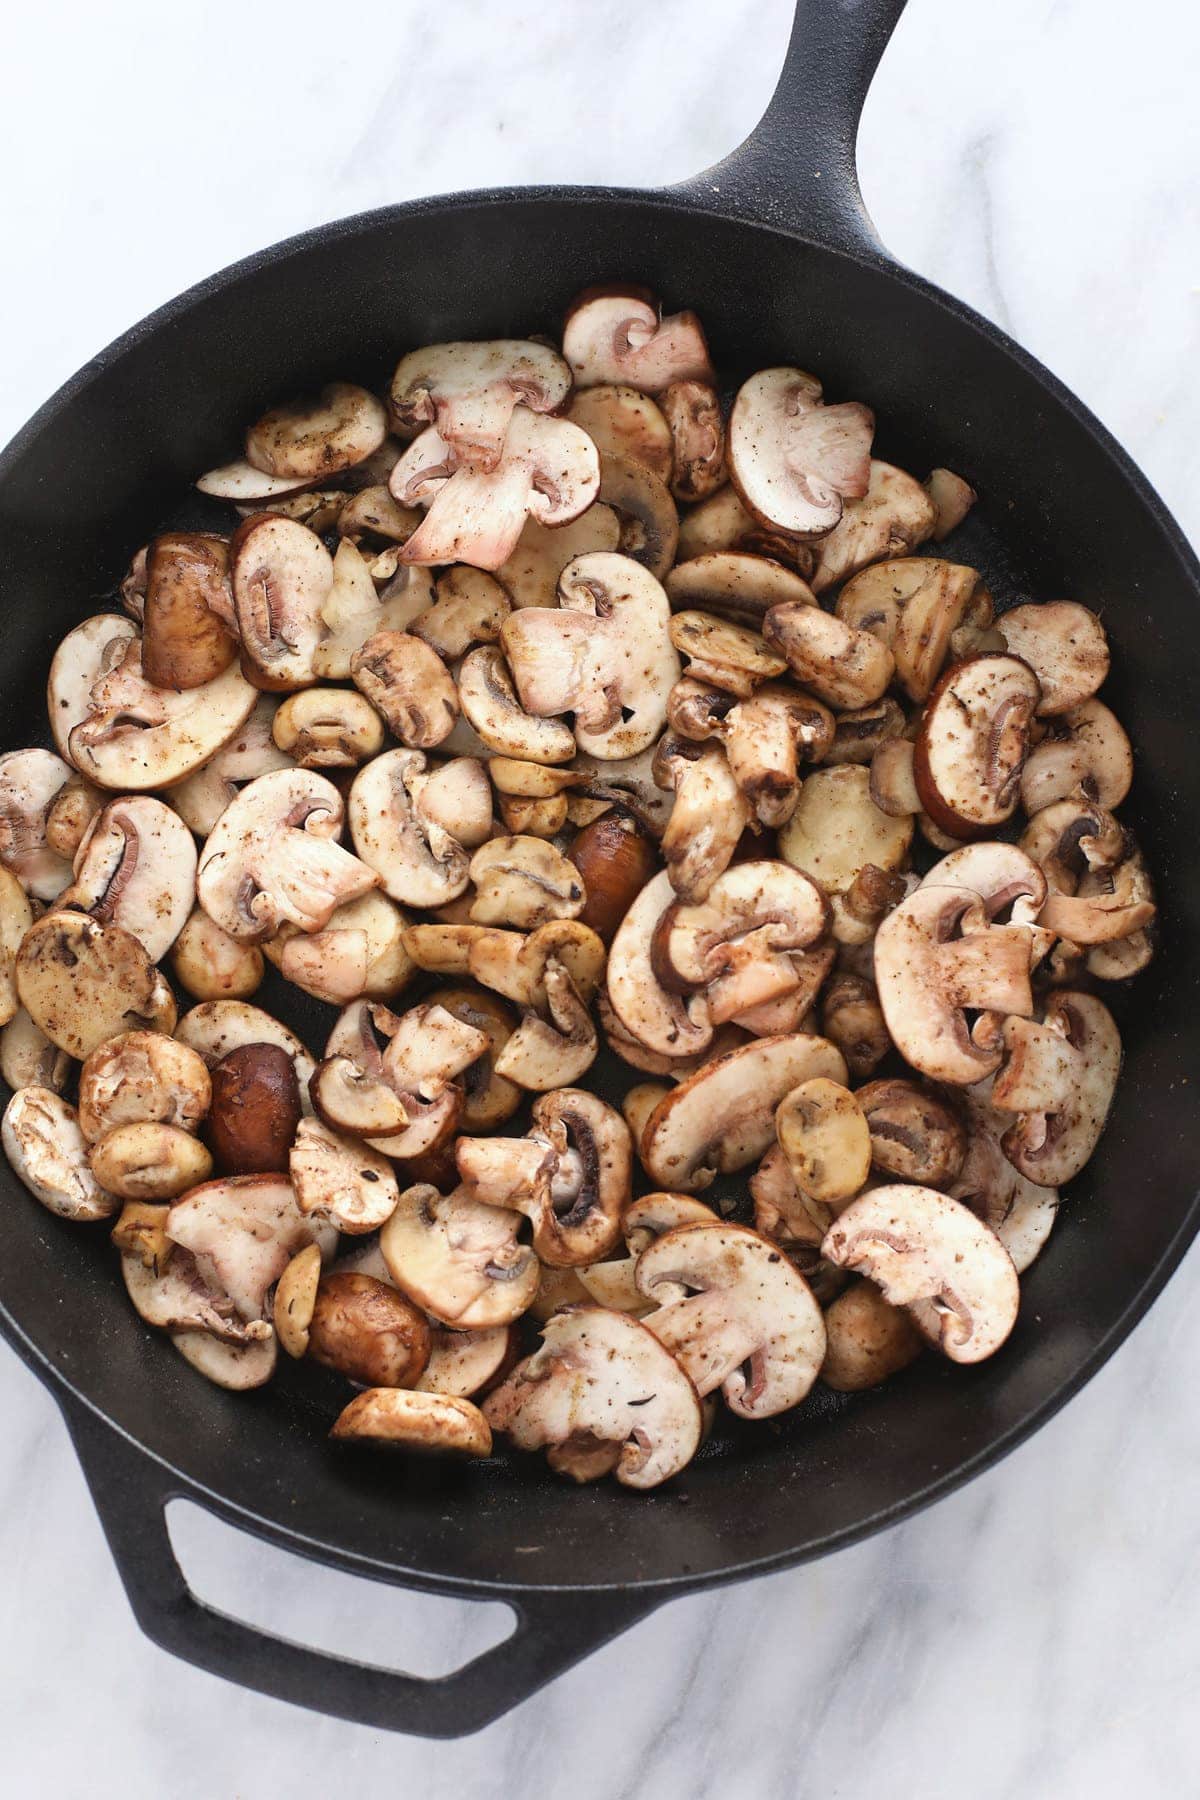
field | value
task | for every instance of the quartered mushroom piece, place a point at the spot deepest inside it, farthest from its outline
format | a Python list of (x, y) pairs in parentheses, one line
[(458, 1259), (136, 868), (167, 1286), (601, 1396), (470, 391), (692, 410), (826, 1140), (794, 460), (914, 605), (469, 608), (727, 656), (708, 817), (149, 1161), (765, 738), (310, 440), (414, 1420), (47, 1150), (1099, 889), (620, 335)]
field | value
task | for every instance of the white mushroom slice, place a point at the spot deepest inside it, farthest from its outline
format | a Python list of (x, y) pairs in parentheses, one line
[(628, 786), (419, 862), (238, 1367), (621, 336), (604, 654), (692, 410), (82, 982), (244, 485), (730, 657), (328, 728), (281, 575), (648, 516), (1109, 905), (470, 391), (414, 1420), (1066, 647), (310, 440), (824, 1135), (216, 1027), (174, 1295), (272, 858), (723, 1117), (914, 605), (428, 1048), (1085, 751), (972, 744), (1059, 1077), (836, 830), (525, 882), (1021, 1214), (867, 1340), (515, 966), (793, 459), (840, 664), (624, 422), (458, 1259), (340, 1180), (136, 868), (937, 956), (360, 951), (549, 1053), (932, 1256), (530, 575), (789, 1012), (1117, 961), (295, 1301), (663, 1022), (735, 1315), (354, 611), (86, 654), (601, 1396), (210, 965), (1098, 886), (489, 703), (893, 518), (548, 470), (952, 499), (736, 944), (463, 1363), (16, 916), (201, 798), (735, 585), (29, 1059), (372, 513), (46, 1149), (135, 736), (708, 818), (30, 783), (243, 1230), (722, 523), (409, 684), (142, 1076), (470, 609), (860, 734), (1005, 878), (764, 737), (644, 1221), (454, 797)]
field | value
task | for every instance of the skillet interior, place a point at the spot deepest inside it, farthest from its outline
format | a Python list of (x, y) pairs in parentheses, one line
[(108, 461)]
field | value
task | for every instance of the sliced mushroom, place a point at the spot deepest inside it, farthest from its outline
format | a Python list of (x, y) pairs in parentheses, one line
[(836, 830), (708, 818), (1099, 889), (188, 634), (426, 1052), (893, 786), (149, 1161), (794, 460), (826, 1140), (296, 1299), (1059, 1078), (239, 1367), (842, 665), (328, 728), (340, 1180), (515, 966), (81, 982), (489, 702), (372, 513), (46, 1149), (409, 685), (973, 741), (530, 575), (70, 813), (169, 1291), (1020, 1213), (470, 609), (16, 916), (730, 657), (281, 574), (489, 1098), (765, 736), (1117, 961), (937, 956), (360, 951), (612, 1283), (463, 1363), (628, 786), (210, 965), (272, 858), (622, 421), (736, 945), (1084, 752), (723, 1117), (142, 1076), (136, 868), (419, 861), (914, 605), (789, 1012), (1066, 647), (932, 1256), (244, 485), (601, 1396), (141, 1233), (243, 1230), (893, 518), (735, 1315), (471, 390), (661, 1021), (861, 734), (546, 1052), (30, 783), (735, 585), (620, 335), (458, 1259), (28, 1058), (310, 440), (693, 412), (523, 881), (216, 1027), (201, 798), (722, 523), (89, 652), (548, 470), (444, 1423), (353, 609), (867, 1339), (952, 500), (794, 1220)]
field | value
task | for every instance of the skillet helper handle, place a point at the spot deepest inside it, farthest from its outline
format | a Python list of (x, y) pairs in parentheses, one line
[(797, 169), (131, 1491)]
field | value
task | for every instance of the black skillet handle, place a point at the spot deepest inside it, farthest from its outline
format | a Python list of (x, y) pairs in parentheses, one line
[(797, 169), (131, 1492)]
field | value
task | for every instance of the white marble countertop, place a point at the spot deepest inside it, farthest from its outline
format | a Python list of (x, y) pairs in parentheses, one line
[(1037, 1635)]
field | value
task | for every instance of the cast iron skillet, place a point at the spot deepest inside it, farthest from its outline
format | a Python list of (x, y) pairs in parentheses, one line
[(776, 252)]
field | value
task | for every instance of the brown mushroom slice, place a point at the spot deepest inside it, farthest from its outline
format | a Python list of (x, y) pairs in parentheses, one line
[(893, 785), (409, 685), (414, 1420), (135, 736), (549, 1053), (793, 459), (649, 522), (89, 652), (653, 1062), (1020, 1213), (735, 1315), (459, 1259), (16, 916), (295, 1300), (972, 744), (530, 574), (489, 1098), (628, 786), (1116, 961), (722, 523), (736, 943), (931, 1255), (621, 420), (615, 857), (464, 1363), (735, 585), (893, 518), (861, 734), (619, 335), (81, 982), (952, 500), (238, 1367), (852, 1018), (515, 966), (142, 1076), (708, 818), (373, 513), (548, 470), (525, 882), (46, 1150), (1085, 751), (1004, 876), (326, 728), (272, 858), (826, 1140), (661, 1021), (368, 1331), (470, 608), (1099, 887), (692, 410), (867, 1339), (836, 830), (730, 657), (243, 1230), (471, 390), (1066, 647), (936, 956), (243, 484), (31, 781), (723, 1117), (281, 574), (840, 664), (601, 1396), (310, 440), (914, 605), (187, 616), (201, 798), (360, 951), (340, 1180), (136, 868), (916, 1135), (28, 1058), (489, 702), (1059, 1078)]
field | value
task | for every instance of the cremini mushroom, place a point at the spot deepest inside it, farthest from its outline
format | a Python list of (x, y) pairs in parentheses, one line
[(840, 664), (70, 813), (620, 335), (972, 744), (893, 783), (136, 868), (216, 1027), (165, 1283), (1099, 889), (281, 574), (931, 1255), (148, 1161), (893, 518), (601, 1396), (692, 410), (1066, 647), (489, 702), (46, 1149), (328, 728), (665, 1023), (1021, 1213), (142, 1076), (410, 1103), (471, 390), (409, 685), (860, 734), (913, 605), (470, 608), (867, 1339), (611, 1283), (243, 1230), (445, 1424), (210, 965), (188, 624), (419, 860), (916, 1134), (31, 781), (765, 737), (1058, 1077), (852, 1018), (730, 657), (736, 585), (794, 460), (202, 797), (28, 1058), (722, 523), (489, 1098), (354, 609), (623, 421), (465, 1363), (360, 950), (295, 1300), (459, 1259), (736, 945), (88, 653), (273, 858), (368, 1332), (310, 440), (708, 818), (735, 1315), (649, 522), (615, 858), (523, 881), (255, 1109), (836, 831), (81, 982), (340, 1179), (238, 1367), (1085, 752)]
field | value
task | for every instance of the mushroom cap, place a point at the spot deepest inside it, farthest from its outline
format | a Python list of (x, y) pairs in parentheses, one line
[(414, 1420), (81, 982), (931, 1255), (600, 1395), (188, 633), (661, 1021), (136, 868), (243, 1230), (272, 858), (793, 459), (867, 1339), (459, 1259), (310, 440), (30, 782), (469, 391), (368, 1331), (723, 1117), (972, 743), (216, 1027), (341, 1179), (619, 335), (149, 1161), (735, 1315), (296, 1299), (648, 517), (47, 1150)]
